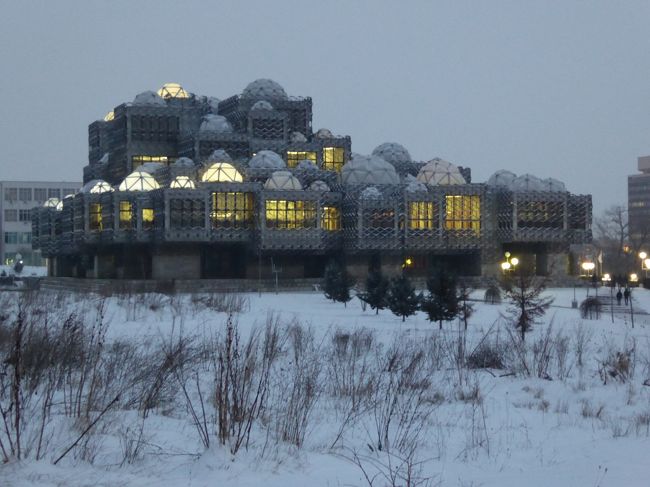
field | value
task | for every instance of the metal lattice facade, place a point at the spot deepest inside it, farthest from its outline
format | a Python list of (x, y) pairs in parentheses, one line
[(185, 186)]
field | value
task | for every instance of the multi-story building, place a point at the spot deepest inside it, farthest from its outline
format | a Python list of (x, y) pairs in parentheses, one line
[(186, 186), (638, 202), (17, 198)]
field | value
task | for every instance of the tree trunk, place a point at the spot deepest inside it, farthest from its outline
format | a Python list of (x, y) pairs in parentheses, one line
[(403, 318)]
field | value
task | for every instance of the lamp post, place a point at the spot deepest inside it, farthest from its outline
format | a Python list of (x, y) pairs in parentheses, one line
[(588, 268), (510, 264)]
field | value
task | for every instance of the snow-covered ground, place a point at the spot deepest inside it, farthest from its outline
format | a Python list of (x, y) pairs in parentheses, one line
[(470, 427), (28, 271)]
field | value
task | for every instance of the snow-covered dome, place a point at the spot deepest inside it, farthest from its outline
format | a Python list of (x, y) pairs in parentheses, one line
[(51, 203), (283, 180), (307, 165), (553, 185), (139, 181), (371, 193), (319, 185), (219, 155), (222, 172), (267, 159), (368, 170), (151, 167), (502, 178), (215, 123), (527, 182), (440, 172), (182, 182), (416, 187), (183, 162), (59, 206), (324, 134), (172, 90), (213, 103), (262, 105), (149, 98), (393, 153), (297, 137), (264, 89), (96, 186)]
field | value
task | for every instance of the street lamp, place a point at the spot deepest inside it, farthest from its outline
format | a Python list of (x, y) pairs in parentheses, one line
[(510, 263), (588, 267)]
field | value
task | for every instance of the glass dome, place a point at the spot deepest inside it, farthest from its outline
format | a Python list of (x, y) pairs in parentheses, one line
[(172, 90), (97, 186), (267, 159), (215, 123), (182, 182), (264, 89), (393, 153), (51, 203), (149, 98), (502, 178), (222, 172), (139, 181), (368, 170), (283, 180), (440, 172)]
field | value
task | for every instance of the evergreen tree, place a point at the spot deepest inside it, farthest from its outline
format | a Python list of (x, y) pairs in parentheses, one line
[(337, 283), (442, 302), (524, 293), (376, 289), (401, 298)]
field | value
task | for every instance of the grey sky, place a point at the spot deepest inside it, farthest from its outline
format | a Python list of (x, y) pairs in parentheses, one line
[(554, 88)]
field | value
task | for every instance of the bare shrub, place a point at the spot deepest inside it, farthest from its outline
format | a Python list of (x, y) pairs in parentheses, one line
[(488, 355), (588, 410), (618, 365), (229, 303), (591, 308), (582, 338), (492, 293)]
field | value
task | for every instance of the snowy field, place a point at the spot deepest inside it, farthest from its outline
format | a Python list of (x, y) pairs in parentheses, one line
[(350, 398)]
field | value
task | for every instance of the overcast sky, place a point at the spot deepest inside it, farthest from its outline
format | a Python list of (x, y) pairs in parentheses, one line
[(553, 88)]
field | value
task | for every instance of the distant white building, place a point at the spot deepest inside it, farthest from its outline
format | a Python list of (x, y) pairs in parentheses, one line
[(17, 198)]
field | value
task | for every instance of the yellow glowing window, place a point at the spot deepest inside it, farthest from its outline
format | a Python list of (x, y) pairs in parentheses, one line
[(232, 210), (126, 215), (147, 218), (331, 218), (333, 158), (137, 161), (286, 214), (422, 215), (294, 157), (463, 213), (109, 116), (95, 216)]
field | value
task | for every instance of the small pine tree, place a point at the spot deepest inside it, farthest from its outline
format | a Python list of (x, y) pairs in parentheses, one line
[(401, 298), (376, 289), (442, 302), (465, 308), (337, 283), (524, 292)]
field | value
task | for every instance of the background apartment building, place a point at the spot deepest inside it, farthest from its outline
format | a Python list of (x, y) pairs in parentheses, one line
[(17, 198), (638, 196)]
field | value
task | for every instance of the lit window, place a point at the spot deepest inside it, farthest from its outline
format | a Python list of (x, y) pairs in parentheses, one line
[(147, 218), (331, 218), (294, 157), (463, 213), (232, 210), (333, 158), (95, 216), (137, 161), (422, 215), (109, 116), (126, 215), (286, 214)]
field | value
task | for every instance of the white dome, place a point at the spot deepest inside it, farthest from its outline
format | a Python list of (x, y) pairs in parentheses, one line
[(368, 170), (151, 167), (182, 182), (215, 123), (440, 172), (149, 98), (324, 134), (172, 90), (371, 193), (219, 155), (96, 186), (283, 180), (138, 181), (264, 89), (307, 165), (267, 159), (297, 137), (393, 153), (319, 185), (183, 162), (51, 203), (502, 178), (222, 172), (262, 105), (527, 182), (416, 187), (553, 185)]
